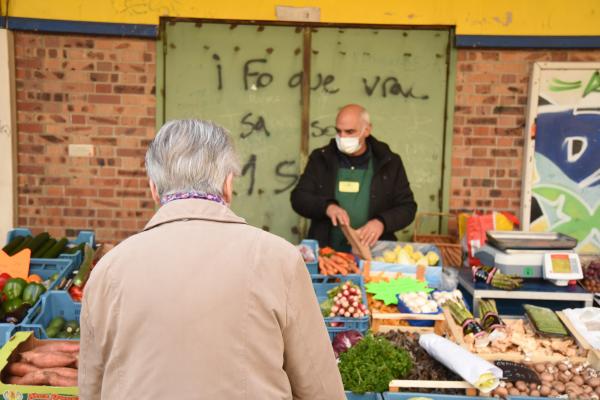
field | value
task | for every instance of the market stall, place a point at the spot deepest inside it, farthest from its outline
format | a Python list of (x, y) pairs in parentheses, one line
[(530, 351)]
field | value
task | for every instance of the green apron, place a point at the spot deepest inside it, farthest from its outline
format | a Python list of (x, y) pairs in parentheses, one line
[(353, 193)]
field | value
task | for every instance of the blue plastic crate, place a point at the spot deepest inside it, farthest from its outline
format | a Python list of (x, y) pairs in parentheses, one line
[(45, 269), (432, 396), (52, 304), (6, 332), (403, 308), (322, 284), (365, 396), (83, 237), (313, 267)]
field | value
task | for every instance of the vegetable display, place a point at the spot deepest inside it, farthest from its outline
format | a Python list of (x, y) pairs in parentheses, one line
[(344, 301), (344, 340), (372, 363), (408, 256), (41, 246), (465, 319), (564, 379), (53, 364), (591, 277), (492, 276), (19, 295), (333, 262), (424, 366), (61, 329), (545, 320), (419, 302)]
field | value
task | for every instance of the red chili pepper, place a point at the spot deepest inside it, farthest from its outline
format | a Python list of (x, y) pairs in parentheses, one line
[(3, 278), (76, 293)]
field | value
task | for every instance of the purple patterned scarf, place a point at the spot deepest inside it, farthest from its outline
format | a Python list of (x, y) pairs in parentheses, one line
[(191, 195)]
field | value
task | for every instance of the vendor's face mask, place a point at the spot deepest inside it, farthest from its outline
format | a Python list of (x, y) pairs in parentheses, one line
[(347, 145)]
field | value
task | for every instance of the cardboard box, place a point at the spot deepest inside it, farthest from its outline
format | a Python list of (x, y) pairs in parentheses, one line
[(25, 341)]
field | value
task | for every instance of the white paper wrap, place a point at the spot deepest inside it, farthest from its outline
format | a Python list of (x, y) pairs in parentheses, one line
[(469, 366), (587, 322)]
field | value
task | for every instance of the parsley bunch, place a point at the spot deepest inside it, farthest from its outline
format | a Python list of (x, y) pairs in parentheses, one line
[(371, 364)]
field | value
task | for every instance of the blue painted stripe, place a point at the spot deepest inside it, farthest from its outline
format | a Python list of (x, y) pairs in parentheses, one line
[(93, 28), (545, 42)]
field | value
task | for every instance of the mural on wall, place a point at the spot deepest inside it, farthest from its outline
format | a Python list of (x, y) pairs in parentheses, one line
[(564, 184)]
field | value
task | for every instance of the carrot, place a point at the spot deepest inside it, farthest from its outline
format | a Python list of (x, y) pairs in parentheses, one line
[(20, 368), (61, 347), (47, 360), (59, 380), (321, 267), (35, 378)]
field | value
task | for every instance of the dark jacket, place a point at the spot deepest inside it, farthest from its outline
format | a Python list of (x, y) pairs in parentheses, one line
[(392, 201)]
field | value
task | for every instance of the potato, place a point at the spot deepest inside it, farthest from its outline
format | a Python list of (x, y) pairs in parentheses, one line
[(563, 377), (547, 377), (594, 382), (502, 392), (521, 385), (558, 386), (535, 393), (545, 390), (587, 389), (540, 368), (598, 390), (509, 385), (578, 380), (562, 367), (554, 393), (514, 392), (533, 386)]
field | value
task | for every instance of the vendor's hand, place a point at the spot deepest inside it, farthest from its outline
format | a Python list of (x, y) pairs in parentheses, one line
[(370, 232), (337, 215)]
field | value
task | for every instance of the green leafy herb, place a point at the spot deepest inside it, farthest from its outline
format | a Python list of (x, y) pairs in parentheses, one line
[(371, 364)]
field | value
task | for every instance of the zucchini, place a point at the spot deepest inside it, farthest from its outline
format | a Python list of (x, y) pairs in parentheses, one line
[(85, 267), (22, 245), (13, 244), (57, 323), (74, 250), (47, 246), (72, 327), (38, 242), (56, 249)]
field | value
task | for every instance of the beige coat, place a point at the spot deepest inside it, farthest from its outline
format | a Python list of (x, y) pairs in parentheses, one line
[(201, 305)]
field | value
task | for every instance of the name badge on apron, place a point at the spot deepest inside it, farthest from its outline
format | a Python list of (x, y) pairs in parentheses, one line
[(349, 187)]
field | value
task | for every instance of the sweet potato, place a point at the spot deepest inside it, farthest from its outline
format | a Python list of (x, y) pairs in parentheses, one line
[(60, 347), (20, 368), (63, 371), (59, 380), (49, 360), (34, 378)]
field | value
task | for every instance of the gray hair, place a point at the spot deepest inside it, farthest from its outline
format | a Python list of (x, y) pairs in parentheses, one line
[(191, 155)]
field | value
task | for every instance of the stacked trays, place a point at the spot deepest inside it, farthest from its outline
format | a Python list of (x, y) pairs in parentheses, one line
[(63, 266)]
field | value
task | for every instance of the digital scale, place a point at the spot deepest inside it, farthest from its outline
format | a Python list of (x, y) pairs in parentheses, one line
[(546, 255)]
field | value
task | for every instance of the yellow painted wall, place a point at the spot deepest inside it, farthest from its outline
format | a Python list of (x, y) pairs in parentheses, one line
[(471, 17)]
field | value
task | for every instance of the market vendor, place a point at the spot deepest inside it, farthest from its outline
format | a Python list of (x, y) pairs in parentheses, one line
[(201, 305), (355, 180)]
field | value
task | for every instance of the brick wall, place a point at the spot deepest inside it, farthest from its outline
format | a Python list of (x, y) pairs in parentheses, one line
[(100, 91), (84, 90), (489, 124)]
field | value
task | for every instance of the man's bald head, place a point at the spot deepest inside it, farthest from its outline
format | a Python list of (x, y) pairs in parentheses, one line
[(355, 110)]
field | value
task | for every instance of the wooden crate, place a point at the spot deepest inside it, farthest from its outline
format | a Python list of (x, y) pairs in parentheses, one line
[(379, 318), (398, 384), (457, 335)]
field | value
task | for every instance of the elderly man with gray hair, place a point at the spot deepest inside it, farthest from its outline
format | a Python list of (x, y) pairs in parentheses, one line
[(200, 305)]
